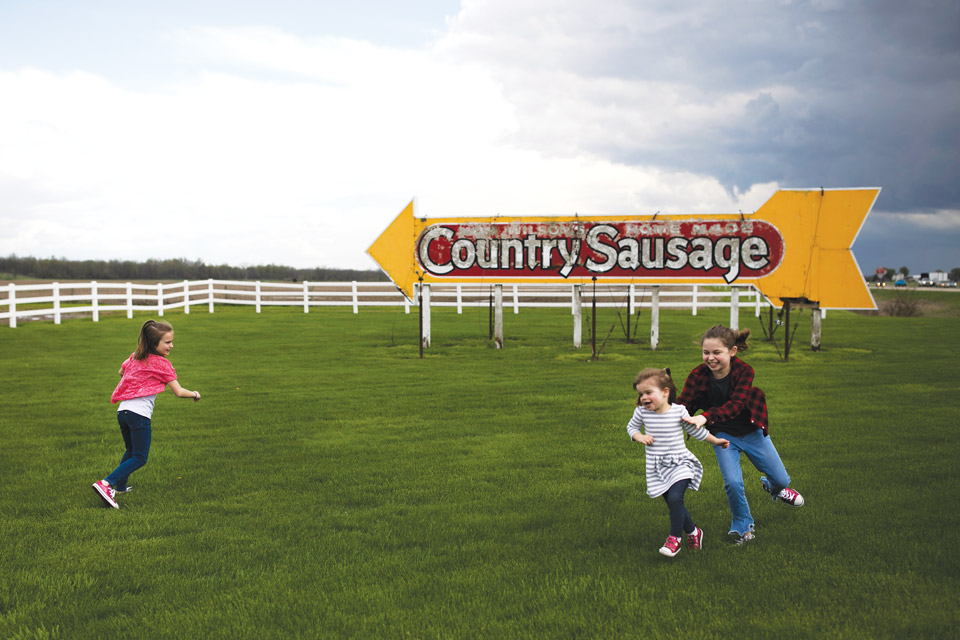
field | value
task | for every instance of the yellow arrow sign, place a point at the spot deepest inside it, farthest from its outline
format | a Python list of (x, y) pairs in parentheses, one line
[(796, 246)]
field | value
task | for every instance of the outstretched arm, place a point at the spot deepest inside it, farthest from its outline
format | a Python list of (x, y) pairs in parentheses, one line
[(180, 392), (723, 443)]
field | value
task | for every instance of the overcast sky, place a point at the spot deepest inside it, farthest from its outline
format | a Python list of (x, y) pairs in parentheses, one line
[(293, 132)]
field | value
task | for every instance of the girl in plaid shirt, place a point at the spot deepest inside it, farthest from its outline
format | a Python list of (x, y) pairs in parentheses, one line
[(732, 408)]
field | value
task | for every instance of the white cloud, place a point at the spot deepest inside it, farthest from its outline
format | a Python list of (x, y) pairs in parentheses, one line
[(298, 151)]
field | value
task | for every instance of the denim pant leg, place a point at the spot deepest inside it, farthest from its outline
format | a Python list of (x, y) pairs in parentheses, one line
[(729, 463), (135, 430), (764, 456)]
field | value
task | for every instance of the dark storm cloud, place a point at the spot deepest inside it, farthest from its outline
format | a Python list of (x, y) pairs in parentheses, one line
[(877, 90), (805, 94)]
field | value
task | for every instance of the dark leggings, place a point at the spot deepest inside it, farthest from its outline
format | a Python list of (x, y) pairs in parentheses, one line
[(680, 521)]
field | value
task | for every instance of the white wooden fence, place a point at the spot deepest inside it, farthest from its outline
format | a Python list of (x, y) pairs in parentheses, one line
[(55, 300)]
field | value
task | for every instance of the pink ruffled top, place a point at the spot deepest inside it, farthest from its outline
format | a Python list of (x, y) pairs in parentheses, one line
[(143, 378)]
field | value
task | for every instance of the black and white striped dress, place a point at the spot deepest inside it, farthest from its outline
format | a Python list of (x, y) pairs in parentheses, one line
[(668, 459)]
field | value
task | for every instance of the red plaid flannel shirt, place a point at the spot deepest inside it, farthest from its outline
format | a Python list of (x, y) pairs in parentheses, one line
[(743, 395)]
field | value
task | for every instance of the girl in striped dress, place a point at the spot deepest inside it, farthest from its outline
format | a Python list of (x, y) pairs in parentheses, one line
[(659, 424)]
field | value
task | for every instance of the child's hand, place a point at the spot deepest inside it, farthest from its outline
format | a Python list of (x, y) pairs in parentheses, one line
[(723, 443), (643, 438), (196, 396), (697, 421)]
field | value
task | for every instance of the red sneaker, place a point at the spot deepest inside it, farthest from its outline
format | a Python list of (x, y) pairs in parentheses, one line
[(105, 492), (695, 539), (791, 497), (788, 495), (671, 547)]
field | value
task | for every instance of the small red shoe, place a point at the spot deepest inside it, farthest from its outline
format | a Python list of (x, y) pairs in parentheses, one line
[(671, 547), (106, 492), (695, 539), (788, 495)]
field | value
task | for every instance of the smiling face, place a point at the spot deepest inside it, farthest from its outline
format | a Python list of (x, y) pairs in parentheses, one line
[(716, 356), (652, 396), (165, 345)]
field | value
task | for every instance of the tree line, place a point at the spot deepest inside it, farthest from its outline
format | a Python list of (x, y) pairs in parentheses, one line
[(172, 269)]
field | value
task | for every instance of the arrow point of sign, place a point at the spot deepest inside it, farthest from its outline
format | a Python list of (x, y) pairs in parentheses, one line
[(828, 222), (393, 250)]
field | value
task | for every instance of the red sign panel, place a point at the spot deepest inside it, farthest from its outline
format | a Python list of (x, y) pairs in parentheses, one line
[(727, 249)]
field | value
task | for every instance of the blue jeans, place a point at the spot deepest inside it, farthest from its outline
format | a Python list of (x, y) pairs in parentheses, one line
[(135, 430), (764, 456)]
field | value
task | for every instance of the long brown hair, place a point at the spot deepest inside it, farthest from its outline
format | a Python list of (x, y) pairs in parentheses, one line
[(728, 337), (662, 379), (150, 334)]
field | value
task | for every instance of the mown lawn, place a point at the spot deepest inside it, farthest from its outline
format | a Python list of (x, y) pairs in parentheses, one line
[(332, 484)]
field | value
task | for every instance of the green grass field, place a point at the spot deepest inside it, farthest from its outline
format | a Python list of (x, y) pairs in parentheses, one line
[(332, 484)]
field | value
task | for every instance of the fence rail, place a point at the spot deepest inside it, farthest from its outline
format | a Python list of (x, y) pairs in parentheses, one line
[(56, 300)]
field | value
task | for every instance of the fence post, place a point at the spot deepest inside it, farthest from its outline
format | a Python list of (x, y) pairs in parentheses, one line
[(734, 308), (186, 297), (129, 300), (306, 298), (94, 302), (577, 308), (56, 303), (630, 293), (756, 299), (12, 301), (160, 299), (210, 294), (815, 329), (694, 305), (498, 317), (459, 300), (406, 301), (425, 316), (257, 296), (516, 299), (356, 306), (654, 317)]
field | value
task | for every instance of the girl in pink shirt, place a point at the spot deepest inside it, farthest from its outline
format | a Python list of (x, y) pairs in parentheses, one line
[(146, 373)]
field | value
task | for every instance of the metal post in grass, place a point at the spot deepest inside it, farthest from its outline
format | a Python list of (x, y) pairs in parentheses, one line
[(306, 297), (56, 303), (577, 316), (498, 317), (257, 295), (786, 334), (516, 299), (129, 300), (459, 299), (356, 302), (186, 297), (160, 299), (693, 304), (94, 301), (420, 303), (654, 317), (815, 329), (210, 294), (629, 309)]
